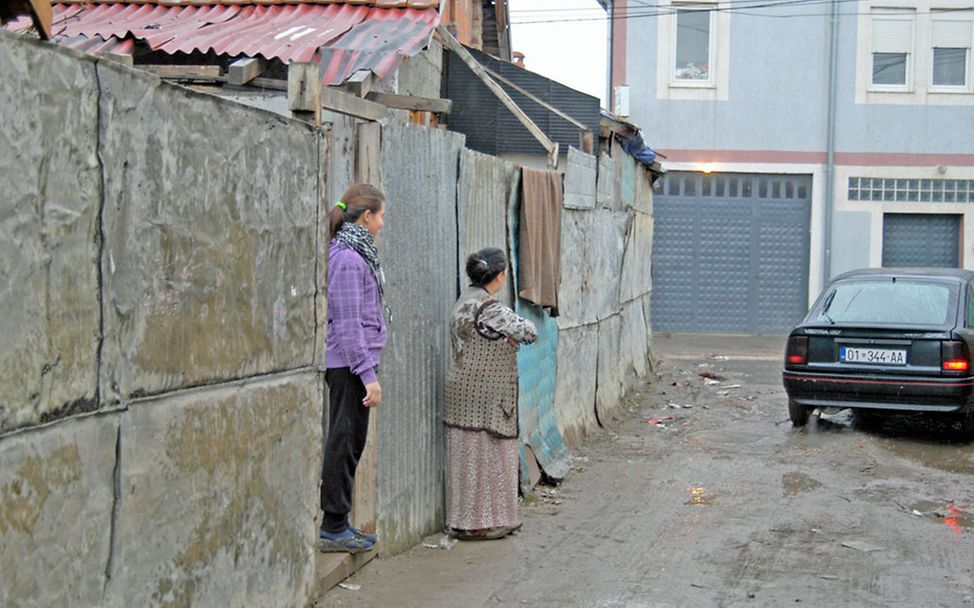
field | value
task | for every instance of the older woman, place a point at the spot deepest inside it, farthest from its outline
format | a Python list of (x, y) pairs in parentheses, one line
[(480, 412)]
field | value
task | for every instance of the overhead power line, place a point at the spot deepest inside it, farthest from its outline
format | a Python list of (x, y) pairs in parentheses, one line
[(646, 10)]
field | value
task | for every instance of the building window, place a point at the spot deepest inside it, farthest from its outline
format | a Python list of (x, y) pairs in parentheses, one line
[(900, 190), (694, 42), (892, 49), (951, 42), (916, 55)]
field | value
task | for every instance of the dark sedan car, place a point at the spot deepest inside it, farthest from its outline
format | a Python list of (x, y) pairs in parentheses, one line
[(884, 340)]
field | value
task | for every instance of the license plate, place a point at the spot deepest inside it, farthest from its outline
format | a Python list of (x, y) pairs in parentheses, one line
[(879, 356)]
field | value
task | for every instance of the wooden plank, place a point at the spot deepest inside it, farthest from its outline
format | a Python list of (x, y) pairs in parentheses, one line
[(243, 71), (586, 142), (42, 16), (368, 159), (364, 497), (183, 72), (344, 103), (455, 47), (412, 102), (304, 90), (359, 83), (333, 568), (269, 83)]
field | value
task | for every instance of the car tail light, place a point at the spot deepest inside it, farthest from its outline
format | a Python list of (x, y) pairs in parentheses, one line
[(796, 353), (954, 356)]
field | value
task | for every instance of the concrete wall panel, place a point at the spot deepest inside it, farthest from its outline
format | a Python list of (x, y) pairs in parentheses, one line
[(607, 250), (48, 232), (218, 497), (209, 261), (610, 367), (56, 496), (419, 254), (578, 353), (576, 299), (634, 350), (644, 190), (637, 264), (485, 186), (580, 180), (607, 194)]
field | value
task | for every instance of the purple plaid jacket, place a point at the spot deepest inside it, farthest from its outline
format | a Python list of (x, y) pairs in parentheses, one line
[(356, 326)]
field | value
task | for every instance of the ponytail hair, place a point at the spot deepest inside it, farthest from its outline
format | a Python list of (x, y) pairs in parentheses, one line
[(484, 265), (358, 199)]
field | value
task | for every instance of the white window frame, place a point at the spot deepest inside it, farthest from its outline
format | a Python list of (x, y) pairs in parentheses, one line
[(710, 82), (896, 15), (952, 17), (920, 91), (718, 85)]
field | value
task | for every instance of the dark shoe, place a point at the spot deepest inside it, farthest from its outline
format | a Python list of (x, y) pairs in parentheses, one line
[(342, 542), (361, 534), (484, 533)]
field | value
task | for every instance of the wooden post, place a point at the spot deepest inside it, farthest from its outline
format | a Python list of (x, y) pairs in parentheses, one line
[(368, 159), (304, 90), (243, 71), (359, 83)]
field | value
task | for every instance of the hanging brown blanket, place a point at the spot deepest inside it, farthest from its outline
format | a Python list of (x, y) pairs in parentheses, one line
[(539, 235)]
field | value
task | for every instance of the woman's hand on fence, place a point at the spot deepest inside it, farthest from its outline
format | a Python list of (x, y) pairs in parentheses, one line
[(373, 394)]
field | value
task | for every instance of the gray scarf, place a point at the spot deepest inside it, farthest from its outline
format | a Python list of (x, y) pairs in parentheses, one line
[(359, 239)]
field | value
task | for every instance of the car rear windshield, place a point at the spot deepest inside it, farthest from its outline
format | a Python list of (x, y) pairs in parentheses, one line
[(897, 303)]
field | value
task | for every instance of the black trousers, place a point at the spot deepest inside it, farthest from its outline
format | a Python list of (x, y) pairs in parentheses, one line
[(348, 429)]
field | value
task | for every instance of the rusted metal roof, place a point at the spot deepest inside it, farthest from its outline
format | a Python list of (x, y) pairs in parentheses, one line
[(376, 3), (347, 36)]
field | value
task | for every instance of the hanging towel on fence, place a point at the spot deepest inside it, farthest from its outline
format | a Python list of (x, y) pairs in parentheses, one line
[(539, 235)]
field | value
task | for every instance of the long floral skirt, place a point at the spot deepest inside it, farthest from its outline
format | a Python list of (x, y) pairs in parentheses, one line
[(481, 480)]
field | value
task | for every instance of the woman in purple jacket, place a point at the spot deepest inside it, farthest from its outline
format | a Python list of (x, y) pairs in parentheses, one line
[(355, 338)]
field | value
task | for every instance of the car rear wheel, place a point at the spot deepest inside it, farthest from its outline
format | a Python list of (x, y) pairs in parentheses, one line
[(798, 413)]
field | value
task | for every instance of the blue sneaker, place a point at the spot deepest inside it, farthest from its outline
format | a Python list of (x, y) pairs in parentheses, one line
[(345, 541), (361, 534)]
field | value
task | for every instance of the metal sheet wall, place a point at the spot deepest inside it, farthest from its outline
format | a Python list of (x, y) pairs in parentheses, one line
[(483, 193), (419, 251)]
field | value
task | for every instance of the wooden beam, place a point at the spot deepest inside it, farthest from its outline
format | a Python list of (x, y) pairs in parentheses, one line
[(183, 72), (304, 90), (269, 83), (368, 154), (360, 83), (243, 71), (411, 102), (452, 45), (42, 16), (345, 103)]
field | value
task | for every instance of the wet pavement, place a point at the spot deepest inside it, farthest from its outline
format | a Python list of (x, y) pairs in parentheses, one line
[(700, 493)]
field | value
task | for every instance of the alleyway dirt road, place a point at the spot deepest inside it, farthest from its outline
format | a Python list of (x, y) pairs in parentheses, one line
[(724, 504)]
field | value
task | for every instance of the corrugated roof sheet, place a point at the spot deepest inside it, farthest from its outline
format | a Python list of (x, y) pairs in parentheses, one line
[(349, 36), (376, 3)]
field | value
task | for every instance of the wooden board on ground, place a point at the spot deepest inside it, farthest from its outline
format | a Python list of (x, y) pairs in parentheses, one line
[(333, 568)]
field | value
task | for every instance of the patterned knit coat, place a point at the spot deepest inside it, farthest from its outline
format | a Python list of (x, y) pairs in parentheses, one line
[(481, 386)]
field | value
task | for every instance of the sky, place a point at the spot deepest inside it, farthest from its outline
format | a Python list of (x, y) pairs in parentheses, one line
[(571, 52)]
